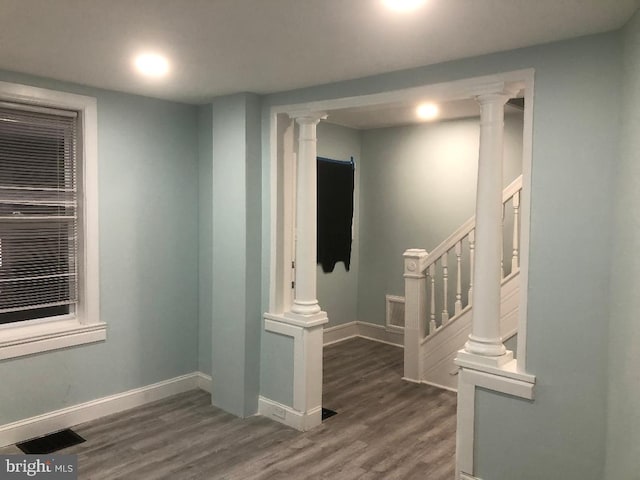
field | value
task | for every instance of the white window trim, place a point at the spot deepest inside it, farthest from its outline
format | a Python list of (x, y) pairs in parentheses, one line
[(26, 338)]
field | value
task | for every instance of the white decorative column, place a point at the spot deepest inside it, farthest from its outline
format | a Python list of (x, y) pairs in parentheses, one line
[(304, 321), (485, 343), (305, 301)]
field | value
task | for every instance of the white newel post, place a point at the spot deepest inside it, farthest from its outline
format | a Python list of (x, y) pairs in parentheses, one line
[(415, 311), (305, 301), (485, 340)]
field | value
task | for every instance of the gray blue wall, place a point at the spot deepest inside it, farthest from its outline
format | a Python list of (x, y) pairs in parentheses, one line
[(236, 227), (148, 177), (577, 102), (338, 290), (623, 433)]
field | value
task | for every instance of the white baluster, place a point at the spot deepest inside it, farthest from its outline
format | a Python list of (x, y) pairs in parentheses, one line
[(516, 239), (432, 277), (445, 288), (472, 258), (458, 304)]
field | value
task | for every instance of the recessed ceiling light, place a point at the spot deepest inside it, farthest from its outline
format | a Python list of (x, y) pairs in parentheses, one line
[(427, 111), (152, 65), (403, 5)]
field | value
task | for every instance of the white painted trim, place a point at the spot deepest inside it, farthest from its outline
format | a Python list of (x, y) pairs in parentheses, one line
[(389, 300), (274, 283), (307, 360), (468, 380), (289, 416), (271, 324), (370, 331), (465, 429), (70, 416), (499, 383), (204, 382), (525, 216), (309, 321), (379, 333), (340, 333), (26, 338), (509, 371), (437, 385), (464, 476), (451, 90)]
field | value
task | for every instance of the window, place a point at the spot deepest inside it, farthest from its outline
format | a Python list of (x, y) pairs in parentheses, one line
[(48, 221)]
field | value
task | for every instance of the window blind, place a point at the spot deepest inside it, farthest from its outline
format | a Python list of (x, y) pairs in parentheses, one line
[(38, 212)]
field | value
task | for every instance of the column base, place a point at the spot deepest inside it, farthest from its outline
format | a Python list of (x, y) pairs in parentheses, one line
[(305, 308), (487, 361), (488, 347)]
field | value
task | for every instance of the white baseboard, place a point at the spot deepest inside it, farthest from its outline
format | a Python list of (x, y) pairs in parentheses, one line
[(381, 334), (288, 416), (437, 385), (464, 476), (204, 382), (68, 417), (370, 331), (339, 333)]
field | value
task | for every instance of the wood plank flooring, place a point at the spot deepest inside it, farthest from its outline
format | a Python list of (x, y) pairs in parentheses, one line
[(385, 429)]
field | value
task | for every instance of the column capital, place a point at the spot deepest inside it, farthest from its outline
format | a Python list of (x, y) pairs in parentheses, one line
[(305, 117), (499, 92)]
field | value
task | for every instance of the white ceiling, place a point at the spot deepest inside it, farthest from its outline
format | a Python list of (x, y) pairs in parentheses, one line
[(225, 46)]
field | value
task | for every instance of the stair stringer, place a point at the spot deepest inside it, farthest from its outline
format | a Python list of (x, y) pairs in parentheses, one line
[(438, 350)]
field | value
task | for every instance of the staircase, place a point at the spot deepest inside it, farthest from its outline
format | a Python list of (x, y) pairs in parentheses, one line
[(438, 293)]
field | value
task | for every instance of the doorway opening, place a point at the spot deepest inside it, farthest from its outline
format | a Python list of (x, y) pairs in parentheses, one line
[(362, 312)]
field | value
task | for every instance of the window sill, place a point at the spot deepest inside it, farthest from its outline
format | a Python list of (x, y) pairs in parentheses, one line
[(30, 339)]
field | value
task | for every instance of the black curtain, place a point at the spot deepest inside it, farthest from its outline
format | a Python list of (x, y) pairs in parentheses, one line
[(335, 212)]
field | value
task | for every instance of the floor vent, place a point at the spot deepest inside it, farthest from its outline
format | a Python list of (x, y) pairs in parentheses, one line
[(51, 443), (326, 413)]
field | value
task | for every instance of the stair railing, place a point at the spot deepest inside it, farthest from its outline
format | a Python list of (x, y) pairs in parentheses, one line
[(427, 279)]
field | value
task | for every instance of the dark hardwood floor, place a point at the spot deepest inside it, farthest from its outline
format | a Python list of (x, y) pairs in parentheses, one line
[(385, 429)]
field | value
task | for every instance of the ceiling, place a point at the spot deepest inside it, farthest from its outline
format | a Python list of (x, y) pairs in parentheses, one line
[(225, 46)]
